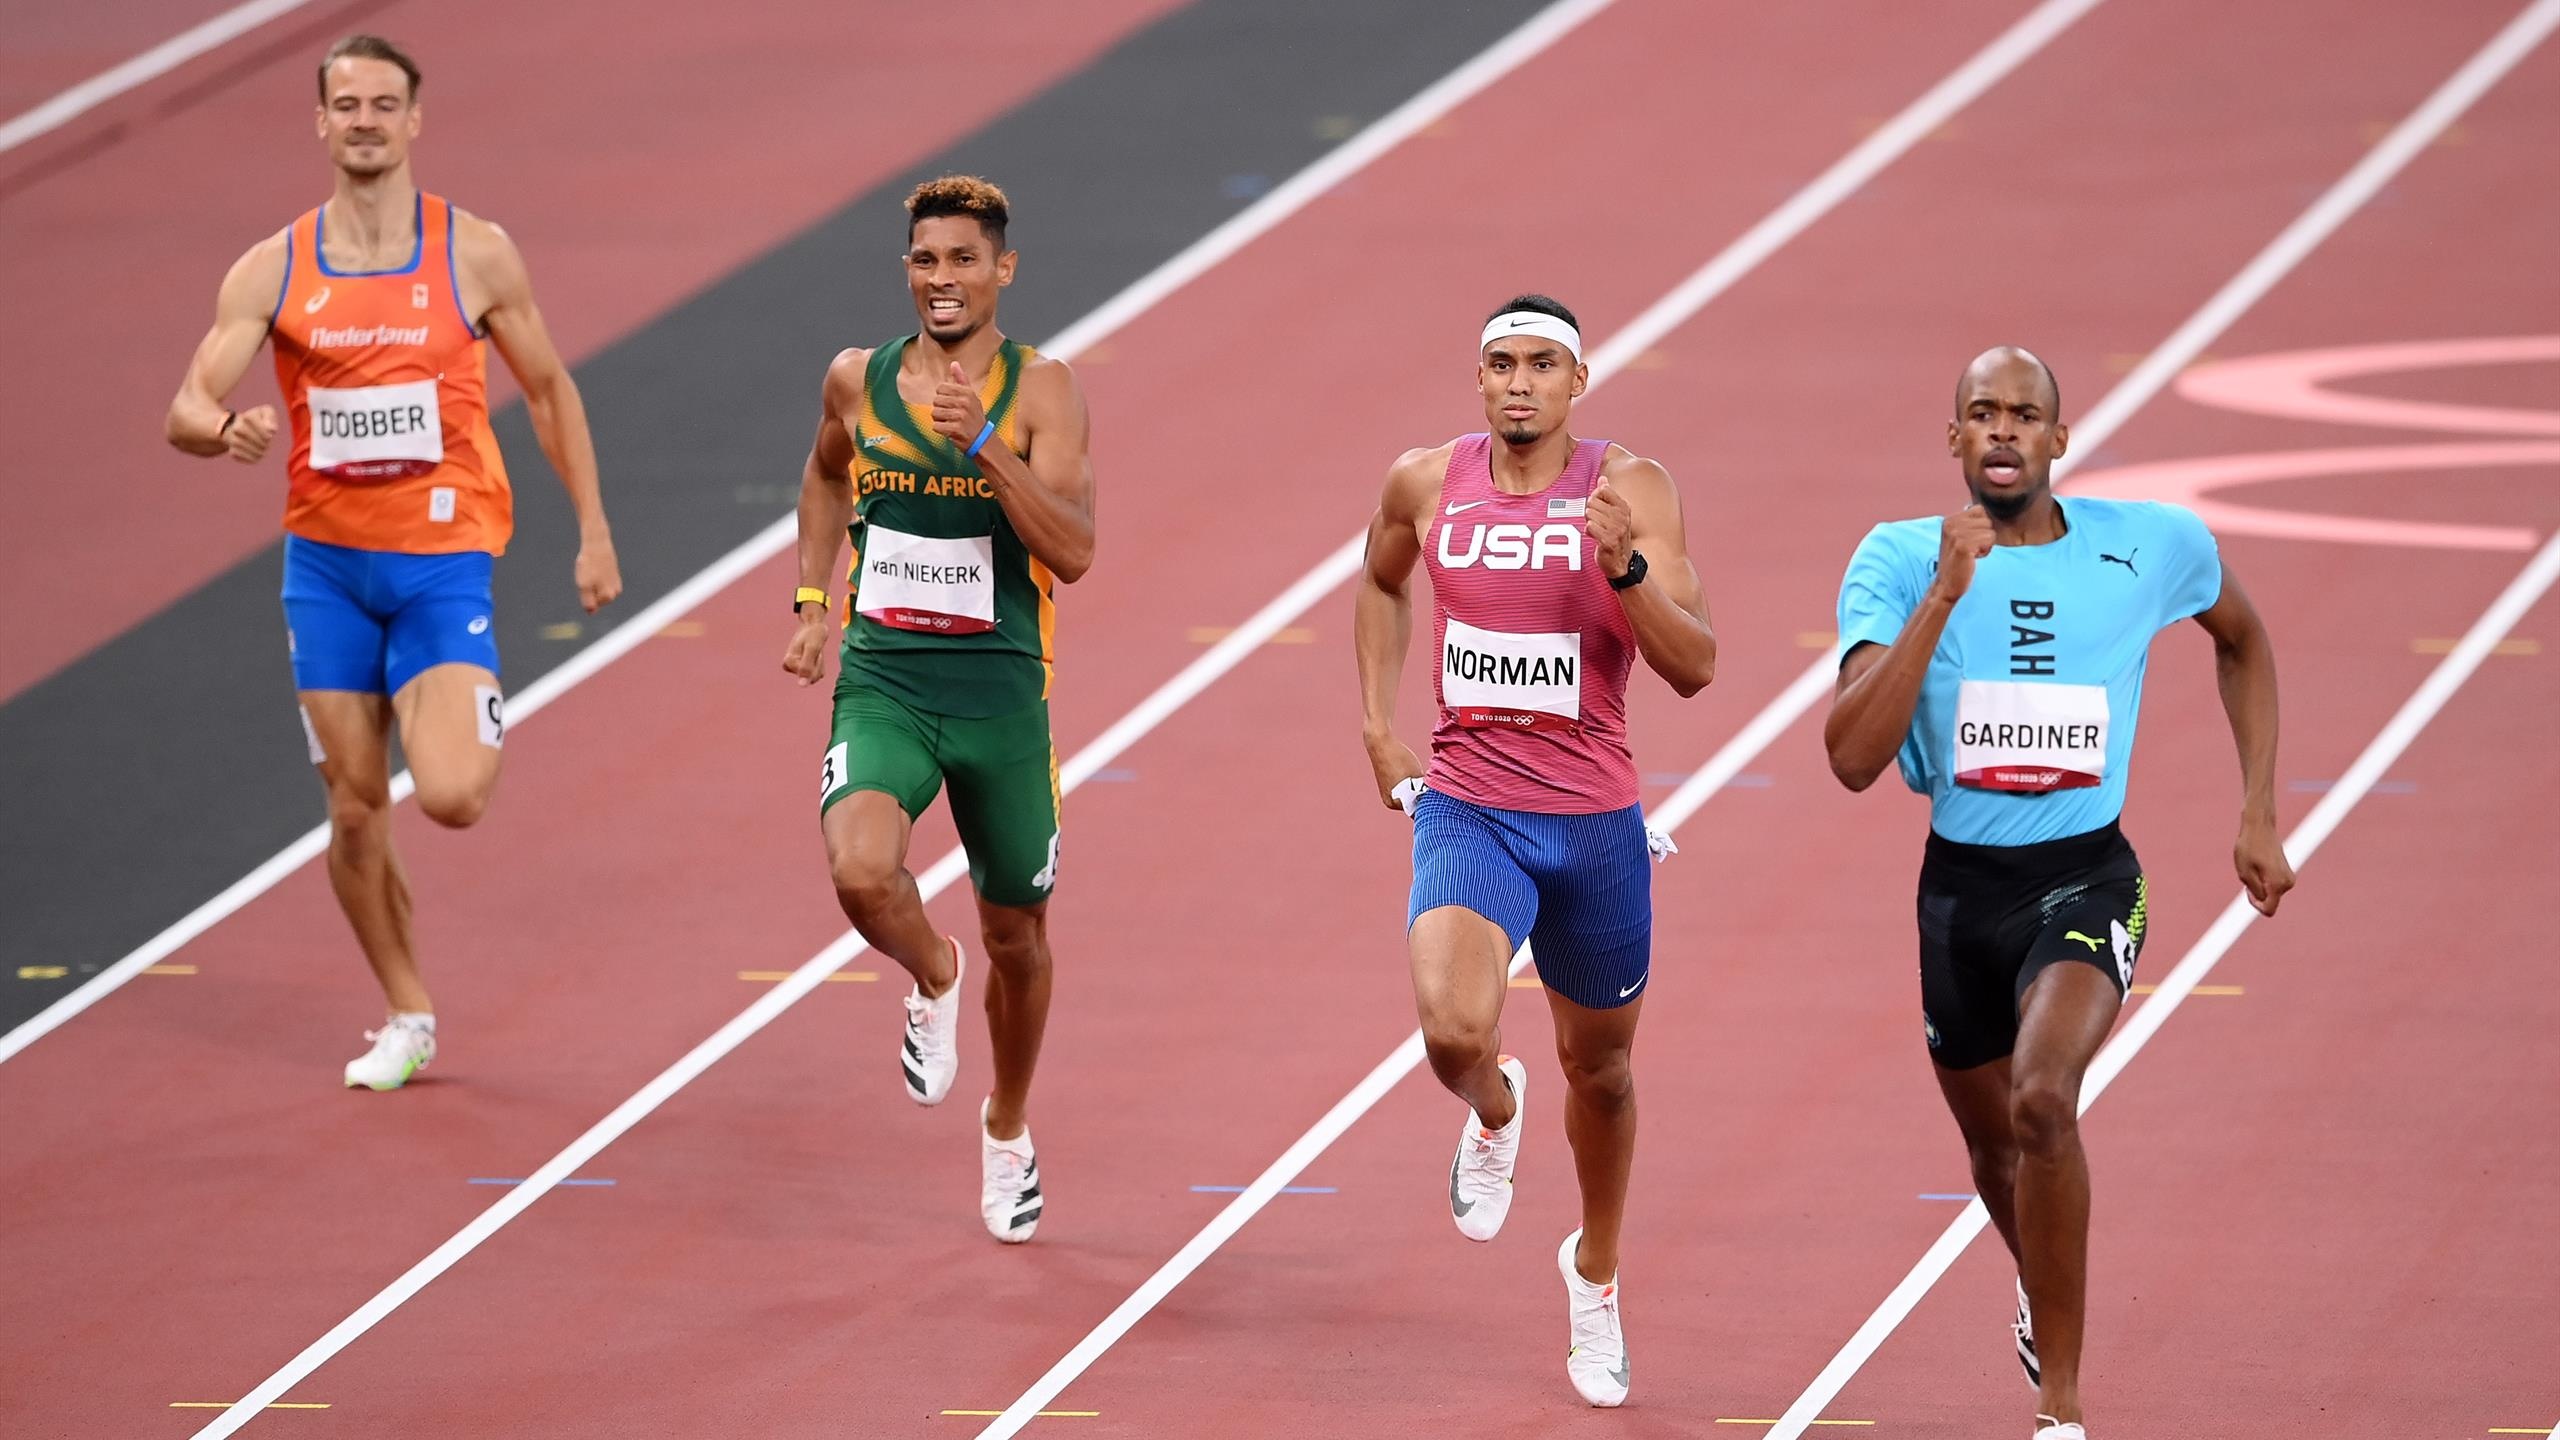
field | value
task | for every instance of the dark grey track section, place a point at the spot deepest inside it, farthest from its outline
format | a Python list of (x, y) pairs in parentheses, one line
[(163, 766)]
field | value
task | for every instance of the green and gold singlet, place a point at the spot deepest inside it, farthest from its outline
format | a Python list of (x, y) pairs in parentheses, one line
[(950, 612)]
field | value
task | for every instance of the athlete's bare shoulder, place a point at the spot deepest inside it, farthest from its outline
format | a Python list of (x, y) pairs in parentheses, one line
[(844, 380), (1644, 482), (483, 247), (1050, 390), (1413, 482), (254, 285)]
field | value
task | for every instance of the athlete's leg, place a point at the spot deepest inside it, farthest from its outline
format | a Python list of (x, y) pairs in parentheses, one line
[(1979, 1098), (1461, 975), (2064, 1019), (1594, 943), (1596, 1047), (440, 666), (878, 775), (452, 719), (351, 730), (1018, 972), (1472, 905), (867, 833), (1002, 772)]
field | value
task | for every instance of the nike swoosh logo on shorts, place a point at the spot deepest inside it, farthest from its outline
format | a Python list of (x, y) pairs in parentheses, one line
[(1630, 990), (1470, 505)]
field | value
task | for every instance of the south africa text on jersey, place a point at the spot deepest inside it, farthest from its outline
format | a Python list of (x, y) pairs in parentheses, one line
[(900, 482)]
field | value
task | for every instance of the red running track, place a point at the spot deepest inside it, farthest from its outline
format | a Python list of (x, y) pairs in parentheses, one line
[(789, 1249)]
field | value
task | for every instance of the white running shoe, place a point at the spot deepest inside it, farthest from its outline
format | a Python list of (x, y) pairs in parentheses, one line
[(1597, 1363), (1480, 1178), (929, 1053), (1008, 1183), (2048, 1428), (401, 1048), (2024, 1327)]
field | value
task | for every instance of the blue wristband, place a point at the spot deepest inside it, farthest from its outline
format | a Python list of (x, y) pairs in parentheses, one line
[(984, 435)]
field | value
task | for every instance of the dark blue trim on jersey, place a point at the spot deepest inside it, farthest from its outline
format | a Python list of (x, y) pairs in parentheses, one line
[(320, 244), (453, 275), (287, 287)]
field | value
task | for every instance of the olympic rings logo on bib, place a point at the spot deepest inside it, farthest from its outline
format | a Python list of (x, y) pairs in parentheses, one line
[(921, 582), (2030, 738), (376, 432), (1494, 679)]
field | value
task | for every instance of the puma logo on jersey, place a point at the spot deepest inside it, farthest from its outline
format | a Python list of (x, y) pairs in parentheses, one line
[(1512, 547), (2125, 560)]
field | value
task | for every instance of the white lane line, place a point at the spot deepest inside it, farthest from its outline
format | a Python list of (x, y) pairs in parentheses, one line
[(1541, 31), (1853, 170), (1428, 105), (142, 69), (2511, 45)]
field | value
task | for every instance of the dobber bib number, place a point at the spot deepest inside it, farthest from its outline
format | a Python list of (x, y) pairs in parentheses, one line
[(378, 432), (2030, 738), (1492, 678), (917, 582)]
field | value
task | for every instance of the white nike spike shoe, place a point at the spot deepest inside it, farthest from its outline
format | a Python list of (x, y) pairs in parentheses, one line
[(1480, 1178), (1597, 1363)]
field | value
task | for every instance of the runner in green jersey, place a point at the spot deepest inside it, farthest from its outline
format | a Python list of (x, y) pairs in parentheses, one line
[(956, 461)]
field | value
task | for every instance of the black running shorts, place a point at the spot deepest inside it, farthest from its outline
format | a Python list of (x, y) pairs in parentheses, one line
[(1993, 917)]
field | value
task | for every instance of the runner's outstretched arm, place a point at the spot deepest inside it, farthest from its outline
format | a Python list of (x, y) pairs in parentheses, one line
[(2245, 665), (1637, 508), (551, 399), (826, 508), (1382, 618), (1049, 496), (1879, 684), (199, 424)]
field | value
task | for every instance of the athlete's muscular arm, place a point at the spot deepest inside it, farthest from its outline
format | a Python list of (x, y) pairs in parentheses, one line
[(1382, 612), (1049, 496), (1879, 684), (2245, 663), (826, 508), (198, 423), (1636, 507), (493, 275)]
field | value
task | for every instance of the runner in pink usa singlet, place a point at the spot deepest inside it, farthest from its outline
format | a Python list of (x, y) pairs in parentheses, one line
[(1533, 644), (1554, 563)]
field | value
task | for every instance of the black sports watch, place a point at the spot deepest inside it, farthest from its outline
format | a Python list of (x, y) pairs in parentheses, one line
[(1635, 572)]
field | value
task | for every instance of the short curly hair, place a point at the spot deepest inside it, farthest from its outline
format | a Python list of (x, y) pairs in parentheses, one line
[(968, 195)]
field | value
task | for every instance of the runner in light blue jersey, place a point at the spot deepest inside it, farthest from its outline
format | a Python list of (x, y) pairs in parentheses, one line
[(1997, 655)]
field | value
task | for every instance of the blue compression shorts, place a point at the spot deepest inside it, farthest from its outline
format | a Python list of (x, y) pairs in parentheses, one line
[(1579, 888)]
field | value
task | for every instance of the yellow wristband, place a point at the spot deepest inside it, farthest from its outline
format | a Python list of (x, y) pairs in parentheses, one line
[(808, 595)]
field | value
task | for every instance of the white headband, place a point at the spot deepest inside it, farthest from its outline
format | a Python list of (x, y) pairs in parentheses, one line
[(1532, 322)]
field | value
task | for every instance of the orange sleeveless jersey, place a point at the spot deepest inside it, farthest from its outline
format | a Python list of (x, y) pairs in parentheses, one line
[(387, 384)]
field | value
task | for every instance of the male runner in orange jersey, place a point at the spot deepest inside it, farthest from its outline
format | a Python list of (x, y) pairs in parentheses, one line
[(377, 302)]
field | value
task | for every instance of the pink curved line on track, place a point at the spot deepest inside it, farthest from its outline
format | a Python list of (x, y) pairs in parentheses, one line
[(2292, 385), (2191, 483)]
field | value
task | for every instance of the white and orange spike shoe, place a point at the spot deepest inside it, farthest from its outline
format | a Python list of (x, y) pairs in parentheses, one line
[(1597, 1363), (1480, 1178)]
